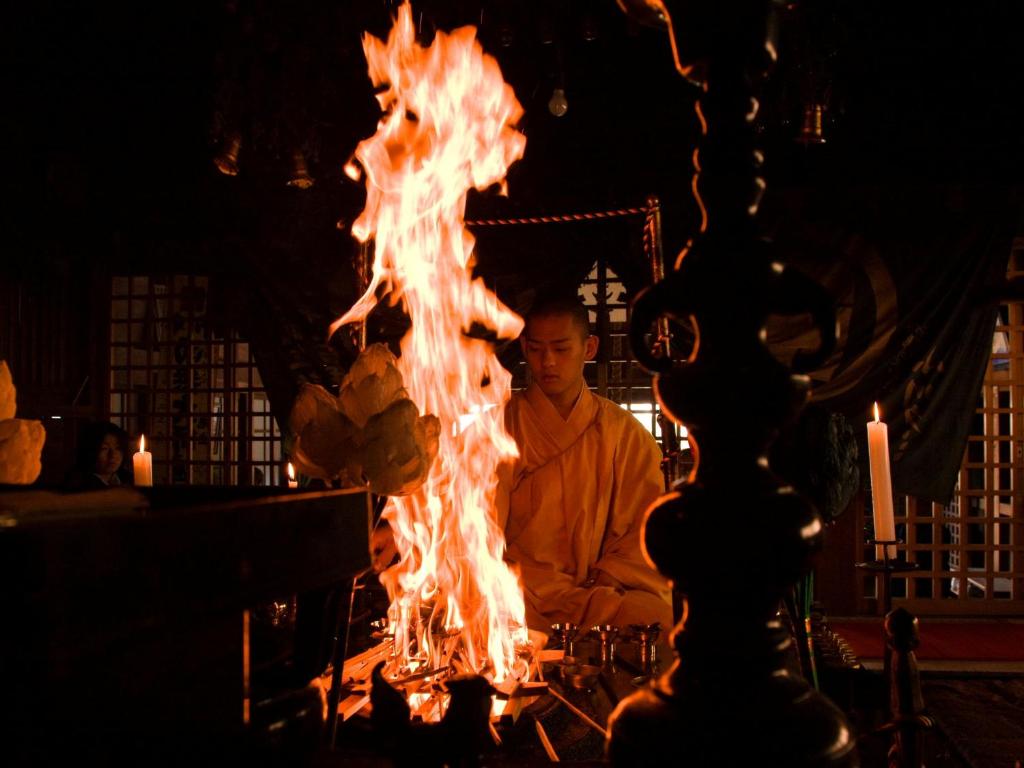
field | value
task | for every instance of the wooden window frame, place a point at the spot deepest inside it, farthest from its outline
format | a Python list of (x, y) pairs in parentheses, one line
[(192, 389), (971, 552)]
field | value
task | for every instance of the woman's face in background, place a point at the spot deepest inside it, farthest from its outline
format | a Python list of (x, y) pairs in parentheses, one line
[(109, 456)]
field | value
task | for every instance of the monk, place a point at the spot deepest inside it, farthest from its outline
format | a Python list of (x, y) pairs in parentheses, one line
[(572, 506)]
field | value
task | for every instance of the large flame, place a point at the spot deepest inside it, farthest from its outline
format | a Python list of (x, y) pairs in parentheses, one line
[(448, 126)]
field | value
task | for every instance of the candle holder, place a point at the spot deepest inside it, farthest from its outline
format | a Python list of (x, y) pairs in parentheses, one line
[(646, 635), (883, 570), (607, 634), (566, 633)]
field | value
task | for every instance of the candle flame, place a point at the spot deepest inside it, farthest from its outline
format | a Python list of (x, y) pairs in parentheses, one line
[(876, 412), (142, 444), (291, 471)]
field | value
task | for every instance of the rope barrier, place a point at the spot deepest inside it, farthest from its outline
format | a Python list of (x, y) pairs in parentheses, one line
[(558, 219)]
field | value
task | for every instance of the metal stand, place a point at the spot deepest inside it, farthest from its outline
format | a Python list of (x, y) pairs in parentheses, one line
[(607, 634), (884, 569), (646, 635), (567, 634), (906, 702), (346, 602), (728, 698)]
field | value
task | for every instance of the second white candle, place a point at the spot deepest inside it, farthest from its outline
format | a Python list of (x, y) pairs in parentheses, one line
[(881, 485)]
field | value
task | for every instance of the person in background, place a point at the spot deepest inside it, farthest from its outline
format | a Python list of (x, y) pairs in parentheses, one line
[(101, 458)]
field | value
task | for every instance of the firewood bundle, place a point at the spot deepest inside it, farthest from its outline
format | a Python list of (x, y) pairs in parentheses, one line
[(370, 434), (21, 440)]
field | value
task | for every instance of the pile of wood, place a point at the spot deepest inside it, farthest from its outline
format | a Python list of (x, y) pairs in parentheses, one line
[(424, 688)]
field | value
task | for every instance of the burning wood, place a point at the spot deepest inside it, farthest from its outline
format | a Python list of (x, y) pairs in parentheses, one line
[(422, 688), (448, 126)]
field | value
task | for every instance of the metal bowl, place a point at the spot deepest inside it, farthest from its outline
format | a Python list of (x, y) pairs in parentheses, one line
[(581, 676)]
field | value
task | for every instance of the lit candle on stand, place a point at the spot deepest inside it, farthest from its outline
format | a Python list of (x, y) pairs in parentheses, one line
[(142, 464), (292, 482), (881, 485)]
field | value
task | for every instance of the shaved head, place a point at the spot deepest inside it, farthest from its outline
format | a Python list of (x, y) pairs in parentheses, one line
[(556, 344), (555, 304)]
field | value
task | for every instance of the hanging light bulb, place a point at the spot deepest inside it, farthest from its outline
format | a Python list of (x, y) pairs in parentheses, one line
[(227, 160), (300, 177), (558, 105)]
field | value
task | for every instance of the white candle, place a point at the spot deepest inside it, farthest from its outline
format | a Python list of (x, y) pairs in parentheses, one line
[(142, 463), (881, 485), (292, 482)]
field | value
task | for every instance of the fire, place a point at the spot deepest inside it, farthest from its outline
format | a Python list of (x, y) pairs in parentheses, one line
[(448, 126)]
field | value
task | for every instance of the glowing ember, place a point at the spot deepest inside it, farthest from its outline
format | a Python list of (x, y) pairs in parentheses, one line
[(448, 126)]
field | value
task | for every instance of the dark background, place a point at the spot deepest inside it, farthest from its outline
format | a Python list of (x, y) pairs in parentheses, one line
[(113, 112)]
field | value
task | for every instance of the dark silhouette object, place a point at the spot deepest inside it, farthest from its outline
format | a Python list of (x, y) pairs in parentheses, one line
[(908, 721), (101, 459), (736, 537), (456, 741)]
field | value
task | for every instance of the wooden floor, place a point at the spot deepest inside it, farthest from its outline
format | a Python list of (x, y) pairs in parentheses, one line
[(972, 679)]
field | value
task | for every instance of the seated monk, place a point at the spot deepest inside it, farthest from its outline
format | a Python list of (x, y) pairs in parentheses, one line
[(572, 506)]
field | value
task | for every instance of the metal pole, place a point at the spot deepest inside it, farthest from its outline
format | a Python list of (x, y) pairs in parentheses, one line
[(602, 327), (656, 258)]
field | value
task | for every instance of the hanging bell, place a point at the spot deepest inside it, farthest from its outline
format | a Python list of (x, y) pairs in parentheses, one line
[(227, 160), (300, 177), (810, 127)]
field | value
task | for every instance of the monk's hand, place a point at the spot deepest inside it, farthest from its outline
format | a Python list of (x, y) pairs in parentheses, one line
[(599, 578), (382, 547)]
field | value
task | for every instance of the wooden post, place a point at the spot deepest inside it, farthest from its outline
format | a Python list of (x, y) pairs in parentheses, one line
[(905, 699)]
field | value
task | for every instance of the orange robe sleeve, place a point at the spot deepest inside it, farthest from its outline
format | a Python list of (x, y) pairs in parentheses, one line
[(638, 481)]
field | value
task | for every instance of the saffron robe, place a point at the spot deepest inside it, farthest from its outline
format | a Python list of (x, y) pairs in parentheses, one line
[(572, 507)]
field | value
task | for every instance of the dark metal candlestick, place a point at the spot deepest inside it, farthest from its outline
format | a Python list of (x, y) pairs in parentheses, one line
[(606, 633), (566, 633), (884, 569), (646, 635), (735, 538), (906, 702)]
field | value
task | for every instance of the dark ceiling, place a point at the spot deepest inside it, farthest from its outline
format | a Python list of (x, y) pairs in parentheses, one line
[(114, 110)]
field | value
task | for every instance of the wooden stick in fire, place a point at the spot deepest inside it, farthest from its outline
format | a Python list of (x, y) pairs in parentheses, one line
[(545, 741), (579, 712)]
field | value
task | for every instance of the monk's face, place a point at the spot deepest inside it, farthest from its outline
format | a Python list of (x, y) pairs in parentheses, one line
[(555, 348)]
